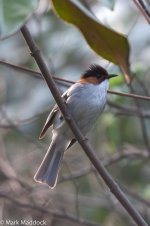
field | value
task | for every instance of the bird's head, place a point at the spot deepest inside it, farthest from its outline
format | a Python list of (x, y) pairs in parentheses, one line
[(95, 75)]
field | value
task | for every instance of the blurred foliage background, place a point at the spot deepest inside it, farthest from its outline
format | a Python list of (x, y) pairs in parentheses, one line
[(120, 137)]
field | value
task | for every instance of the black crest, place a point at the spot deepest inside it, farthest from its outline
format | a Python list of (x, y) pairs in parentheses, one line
[(95, 71)]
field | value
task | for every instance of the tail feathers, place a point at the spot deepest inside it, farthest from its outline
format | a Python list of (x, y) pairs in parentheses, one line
[(49, 168)]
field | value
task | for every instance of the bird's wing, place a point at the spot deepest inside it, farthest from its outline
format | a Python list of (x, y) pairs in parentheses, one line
[(49, 121), (72, 142), (51, 117)]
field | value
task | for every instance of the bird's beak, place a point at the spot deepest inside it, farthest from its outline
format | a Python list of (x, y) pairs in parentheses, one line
[(111, 76)]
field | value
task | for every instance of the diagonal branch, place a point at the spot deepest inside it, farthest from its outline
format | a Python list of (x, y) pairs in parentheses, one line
[(113, 186), (143, 8)]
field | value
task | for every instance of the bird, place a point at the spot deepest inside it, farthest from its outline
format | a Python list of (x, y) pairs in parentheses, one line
[(85, 100)]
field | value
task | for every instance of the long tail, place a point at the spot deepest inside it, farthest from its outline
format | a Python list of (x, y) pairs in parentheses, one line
[(49, 168)]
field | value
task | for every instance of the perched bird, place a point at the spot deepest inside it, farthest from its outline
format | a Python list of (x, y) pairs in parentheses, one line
[(85, 100)]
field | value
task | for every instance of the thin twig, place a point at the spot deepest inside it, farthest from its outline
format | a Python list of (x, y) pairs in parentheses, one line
[(142, 122), (56, 214), (142, 7), (128, 111), (145, 115), (113, 186), (121, 110), (141, 83), (135, 96), (39, 75), (16, 128), (145, 8), (76, 186), (22, 69), (11, 123), (136, 195), (116, 157)]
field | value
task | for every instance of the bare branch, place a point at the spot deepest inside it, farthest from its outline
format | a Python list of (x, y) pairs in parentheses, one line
[(113, 186), (116, 157), (135, 195), (145, 115), (142, 122), (56, 214), (135, 96), (10, 124), (144, 10), (128, 111), (62, 80)]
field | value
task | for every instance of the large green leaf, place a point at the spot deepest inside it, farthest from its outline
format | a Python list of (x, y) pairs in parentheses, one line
[(13, 14), (104, 41)]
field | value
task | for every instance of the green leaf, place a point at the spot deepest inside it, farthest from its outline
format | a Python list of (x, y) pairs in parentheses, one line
[(104, 41), (13, 15)]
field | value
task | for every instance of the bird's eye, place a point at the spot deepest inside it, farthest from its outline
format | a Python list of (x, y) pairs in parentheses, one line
[(61, 118), (101, 78)]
